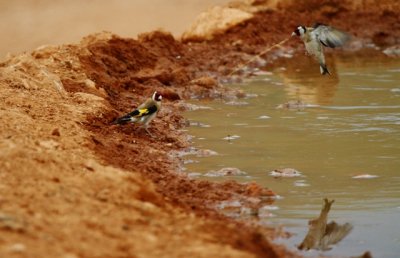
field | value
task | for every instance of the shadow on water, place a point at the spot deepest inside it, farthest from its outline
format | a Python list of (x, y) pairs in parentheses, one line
[(344, 142)]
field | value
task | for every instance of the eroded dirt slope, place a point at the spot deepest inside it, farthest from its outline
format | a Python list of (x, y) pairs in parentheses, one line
[(65, 189)]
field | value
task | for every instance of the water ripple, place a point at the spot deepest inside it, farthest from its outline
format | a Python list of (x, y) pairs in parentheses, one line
[(359, 107)]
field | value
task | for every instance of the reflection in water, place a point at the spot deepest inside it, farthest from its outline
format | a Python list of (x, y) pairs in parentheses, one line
[(347, 147), (303, 81), (322, 235)]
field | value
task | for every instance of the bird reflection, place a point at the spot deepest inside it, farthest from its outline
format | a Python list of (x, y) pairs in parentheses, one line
[(303, 81), (321, 235)]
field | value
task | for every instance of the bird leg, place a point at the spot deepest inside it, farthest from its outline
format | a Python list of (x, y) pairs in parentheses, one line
[(145, 127)]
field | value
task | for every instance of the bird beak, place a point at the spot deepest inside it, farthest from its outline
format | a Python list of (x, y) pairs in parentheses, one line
[(293, 34)]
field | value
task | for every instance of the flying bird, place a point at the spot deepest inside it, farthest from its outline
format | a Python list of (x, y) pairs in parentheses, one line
[(144, 113), (320, 35)]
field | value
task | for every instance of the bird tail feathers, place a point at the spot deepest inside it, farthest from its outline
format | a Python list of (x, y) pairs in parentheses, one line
[(123, 120), (324, 70)]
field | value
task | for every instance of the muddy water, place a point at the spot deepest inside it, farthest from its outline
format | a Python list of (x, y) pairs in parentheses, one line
[(349, 127)]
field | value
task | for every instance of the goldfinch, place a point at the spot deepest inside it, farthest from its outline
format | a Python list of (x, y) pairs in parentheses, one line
[(321, 35), (144, 113)]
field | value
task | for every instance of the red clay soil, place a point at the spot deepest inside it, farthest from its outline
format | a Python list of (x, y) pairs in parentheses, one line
[(76, 186)]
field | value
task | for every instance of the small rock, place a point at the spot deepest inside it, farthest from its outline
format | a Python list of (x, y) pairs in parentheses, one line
[(90, 84), (103, 195), (392, 51), (56, 132), (17, 248), (49, 144), (241, 94), (226, 172), (90, 165), (285, 172), (11, 223)]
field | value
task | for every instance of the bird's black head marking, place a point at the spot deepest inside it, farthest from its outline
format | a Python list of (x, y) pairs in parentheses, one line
[(300, 30), (157, 96)]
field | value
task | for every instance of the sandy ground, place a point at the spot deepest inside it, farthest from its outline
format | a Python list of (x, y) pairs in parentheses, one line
[(26, 25), (72, 185)]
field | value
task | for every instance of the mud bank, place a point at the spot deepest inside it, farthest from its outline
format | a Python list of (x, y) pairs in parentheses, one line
[(74, 186)]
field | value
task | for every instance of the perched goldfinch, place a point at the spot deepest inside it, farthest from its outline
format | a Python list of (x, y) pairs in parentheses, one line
[(144, 113), (321, 35)]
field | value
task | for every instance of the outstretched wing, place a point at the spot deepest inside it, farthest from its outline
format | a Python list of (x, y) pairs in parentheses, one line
[(329, 36)]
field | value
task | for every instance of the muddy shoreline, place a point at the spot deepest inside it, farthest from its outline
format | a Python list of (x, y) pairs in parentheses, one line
[(117, 183)]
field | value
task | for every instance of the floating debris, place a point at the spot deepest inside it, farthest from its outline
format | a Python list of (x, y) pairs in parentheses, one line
[(192, 107), (231, 137), (236, 103), (194, 175), (264, 117), (292, 104), (365, 176), (301, 183), (201, 153), (199, 124), (285, 172), (226, 172), (190, 161), (270, 208), (251, 95), (193, 151)]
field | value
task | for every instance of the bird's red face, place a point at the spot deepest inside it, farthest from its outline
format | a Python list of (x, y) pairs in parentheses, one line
[(157, 96)]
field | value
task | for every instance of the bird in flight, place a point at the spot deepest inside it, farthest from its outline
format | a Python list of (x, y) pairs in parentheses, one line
[(319, 36)]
